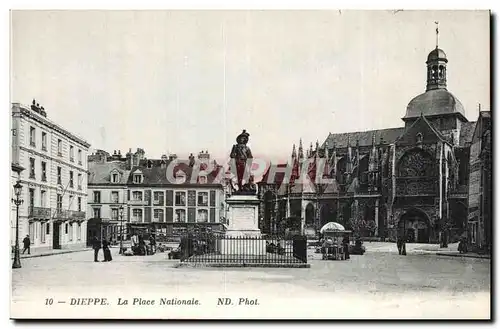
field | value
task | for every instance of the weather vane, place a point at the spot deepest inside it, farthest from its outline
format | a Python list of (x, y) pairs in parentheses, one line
[(437, 33)]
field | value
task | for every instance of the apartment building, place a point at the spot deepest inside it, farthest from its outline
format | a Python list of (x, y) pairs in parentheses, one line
[(107, 204), (54, 180)]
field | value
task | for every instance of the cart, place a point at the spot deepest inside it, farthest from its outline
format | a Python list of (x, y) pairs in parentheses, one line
[(333, 244)]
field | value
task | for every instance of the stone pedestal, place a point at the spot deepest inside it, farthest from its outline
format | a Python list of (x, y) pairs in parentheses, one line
[(243, 235)]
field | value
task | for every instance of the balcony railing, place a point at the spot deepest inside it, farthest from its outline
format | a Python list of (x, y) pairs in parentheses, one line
[(72, 159), (137, 202), (44, 148), (39, 212), (61, 214), (32, 143), (157, 202), (74, 214)]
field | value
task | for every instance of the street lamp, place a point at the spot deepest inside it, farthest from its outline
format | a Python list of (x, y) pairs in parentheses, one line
[(121, 229), (17, 201)]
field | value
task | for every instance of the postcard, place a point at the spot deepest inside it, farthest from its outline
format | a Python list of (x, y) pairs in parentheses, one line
[(244, 164)]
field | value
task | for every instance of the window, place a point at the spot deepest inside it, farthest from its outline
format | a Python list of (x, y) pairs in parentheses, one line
[(43, 198), (59, 201), (80, 157), (158, 197), (70, 201), (79, 231), (180, 215), (97, 197), (71, 179), (32, 197), (79, 204), (59, 147), (114, 214), (71, 232), (59, 174), (97, 212), (32, 136), (47, 228), (44, 171), (114, 178), (137, 215), (158, 215), (202, 215), (66, 228), (137, 196), (80, 182), (71, 153), (32, 168), (180, 198), (203, 199), (137, 178), (114, 197), (44, 141)]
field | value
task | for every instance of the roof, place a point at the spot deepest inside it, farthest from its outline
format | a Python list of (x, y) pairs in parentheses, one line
[(434, 102), (365, 138), (158, 175), (436, 54), (100, 173), (431, 127)]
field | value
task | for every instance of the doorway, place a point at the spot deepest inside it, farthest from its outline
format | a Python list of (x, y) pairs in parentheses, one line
[(56, 231)]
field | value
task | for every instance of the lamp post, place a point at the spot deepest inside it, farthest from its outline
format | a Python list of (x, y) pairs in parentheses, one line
[(17, 201), (121, 229)]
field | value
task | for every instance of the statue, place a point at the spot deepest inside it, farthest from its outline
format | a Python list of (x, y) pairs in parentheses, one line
[(242, 157), (250, 187)]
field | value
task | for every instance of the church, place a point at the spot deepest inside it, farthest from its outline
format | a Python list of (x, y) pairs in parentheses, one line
[(413, 179)]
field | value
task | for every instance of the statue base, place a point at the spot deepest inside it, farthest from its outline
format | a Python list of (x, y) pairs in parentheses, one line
[(243, 236)]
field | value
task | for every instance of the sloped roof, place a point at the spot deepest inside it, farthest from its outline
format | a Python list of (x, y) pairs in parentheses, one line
[(424, 119), (365, 138), (100, 173), (158, 175)]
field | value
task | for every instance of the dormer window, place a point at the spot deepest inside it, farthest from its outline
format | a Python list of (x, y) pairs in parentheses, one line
[(114, 178), (180, 177), (137, 178)]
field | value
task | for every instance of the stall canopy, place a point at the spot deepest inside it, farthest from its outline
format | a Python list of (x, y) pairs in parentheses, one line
[(332, 226)]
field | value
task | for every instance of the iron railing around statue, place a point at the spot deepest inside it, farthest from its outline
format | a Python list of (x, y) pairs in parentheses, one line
[(216, 248)]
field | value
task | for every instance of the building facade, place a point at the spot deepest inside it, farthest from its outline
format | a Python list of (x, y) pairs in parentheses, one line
[(412, 180), (153, 201), (107, 186), (480, 185), (54, 180)]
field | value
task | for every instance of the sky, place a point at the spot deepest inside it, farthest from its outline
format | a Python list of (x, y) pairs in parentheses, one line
[(185, 81)]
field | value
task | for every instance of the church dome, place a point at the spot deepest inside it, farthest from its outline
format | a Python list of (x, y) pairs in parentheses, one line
[(434, 102), (437, 54)]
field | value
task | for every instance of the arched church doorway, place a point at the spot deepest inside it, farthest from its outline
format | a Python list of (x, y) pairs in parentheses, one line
[(327, 214), (414, 224), (309, 215)]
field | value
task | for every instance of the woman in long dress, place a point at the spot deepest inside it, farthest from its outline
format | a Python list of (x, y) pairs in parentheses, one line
[(107, 252)]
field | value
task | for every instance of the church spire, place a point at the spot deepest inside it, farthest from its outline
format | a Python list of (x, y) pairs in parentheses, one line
[(301, 150), (436, 66), (294, 153)]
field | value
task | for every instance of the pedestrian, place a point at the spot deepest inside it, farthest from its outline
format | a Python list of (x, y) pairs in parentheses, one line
[(399, 244), (27, 243), (345, 243), (152, 243), (96, 245), (106, 250)]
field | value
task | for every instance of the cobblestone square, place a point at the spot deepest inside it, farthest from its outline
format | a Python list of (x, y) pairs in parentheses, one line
[(379, 284)]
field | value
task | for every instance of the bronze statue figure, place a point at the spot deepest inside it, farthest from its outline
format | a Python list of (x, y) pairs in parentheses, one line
[(242, 157)]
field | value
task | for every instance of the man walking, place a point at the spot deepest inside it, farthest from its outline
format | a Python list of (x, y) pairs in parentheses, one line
[(26, 243), (96, 245)]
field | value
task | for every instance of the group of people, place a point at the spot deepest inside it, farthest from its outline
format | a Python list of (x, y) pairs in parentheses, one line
[(139, 246), (104, 244)]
